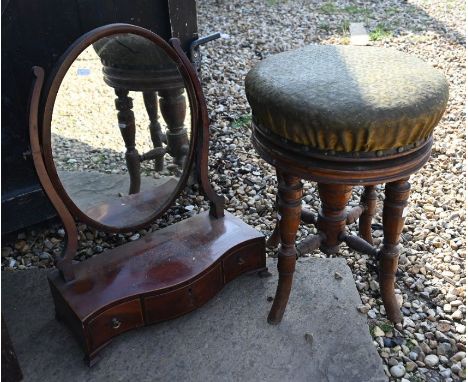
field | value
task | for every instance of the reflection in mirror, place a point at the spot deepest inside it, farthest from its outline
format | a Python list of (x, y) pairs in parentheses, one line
[(121, 128)]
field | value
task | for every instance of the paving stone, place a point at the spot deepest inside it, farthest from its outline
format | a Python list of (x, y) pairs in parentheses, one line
[(228, 339)]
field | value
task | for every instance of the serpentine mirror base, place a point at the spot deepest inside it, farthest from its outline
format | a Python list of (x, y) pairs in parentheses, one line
[(106, 167), (115, 293)]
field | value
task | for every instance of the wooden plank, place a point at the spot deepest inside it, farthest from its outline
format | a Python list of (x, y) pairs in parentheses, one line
[(183, 17)]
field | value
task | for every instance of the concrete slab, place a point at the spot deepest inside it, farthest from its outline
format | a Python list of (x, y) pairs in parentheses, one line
[(322, 337), (91, 188), (359, 35)]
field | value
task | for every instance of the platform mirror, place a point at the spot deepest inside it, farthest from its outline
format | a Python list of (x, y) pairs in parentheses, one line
[(115, 130), (121, 131)]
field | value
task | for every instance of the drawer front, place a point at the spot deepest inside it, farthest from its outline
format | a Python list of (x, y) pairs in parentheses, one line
[(180, 301), (246, 259), (114, 321)]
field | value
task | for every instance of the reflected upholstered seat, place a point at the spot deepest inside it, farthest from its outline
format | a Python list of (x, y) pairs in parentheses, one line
[(343, 116)]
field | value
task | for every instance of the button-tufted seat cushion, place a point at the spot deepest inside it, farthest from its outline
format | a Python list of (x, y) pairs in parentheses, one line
[(347, 98)]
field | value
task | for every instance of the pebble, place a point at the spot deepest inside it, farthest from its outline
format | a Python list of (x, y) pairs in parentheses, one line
[(411, 366), (413, 356), (374, 285), (392, 362), (45, 256), (363, 308), (378, 332), (399, 299), (443, 326), (462, 373), (398, 371), (419, 336), (445, 373), (6, 251), (431, 360), (48, 244), (387, 342), (457, 357), (135, 237), (372, 314), (456, 368), (444, 348), (457, 315)]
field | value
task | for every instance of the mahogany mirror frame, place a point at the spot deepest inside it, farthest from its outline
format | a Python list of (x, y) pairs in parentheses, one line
[(51, 91), (40, 117)]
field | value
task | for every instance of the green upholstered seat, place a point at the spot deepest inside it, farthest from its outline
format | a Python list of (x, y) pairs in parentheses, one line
[(347, 98)]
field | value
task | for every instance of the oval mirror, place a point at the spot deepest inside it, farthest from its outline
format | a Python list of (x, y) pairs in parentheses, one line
[(119, 125)]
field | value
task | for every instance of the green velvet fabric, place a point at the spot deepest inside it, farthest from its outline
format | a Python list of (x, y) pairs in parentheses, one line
[(347, 98)]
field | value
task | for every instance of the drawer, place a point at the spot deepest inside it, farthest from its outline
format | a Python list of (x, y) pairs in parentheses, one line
[(246, 259), (114, 321), (180, 301)]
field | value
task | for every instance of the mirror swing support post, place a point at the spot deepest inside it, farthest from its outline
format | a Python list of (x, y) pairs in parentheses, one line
[(144, 281), (64, 264), (216, 201)]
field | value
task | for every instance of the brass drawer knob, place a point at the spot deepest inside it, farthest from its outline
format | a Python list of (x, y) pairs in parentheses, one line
[(116, 323)]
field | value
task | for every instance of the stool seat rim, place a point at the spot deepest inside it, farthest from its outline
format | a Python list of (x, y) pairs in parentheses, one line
[(340, 170), (338, 156)]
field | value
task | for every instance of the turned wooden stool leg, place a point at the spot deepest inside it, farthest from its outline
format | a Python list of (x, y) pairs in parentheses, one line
[(173, 109), (396, 200), (126, 119), (369, 202), (289, 204), (275, 237), (332, 217)]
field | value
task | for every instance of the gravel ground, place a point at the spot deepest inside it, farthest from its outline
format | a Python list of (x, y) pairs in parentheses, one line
[(430, 343)]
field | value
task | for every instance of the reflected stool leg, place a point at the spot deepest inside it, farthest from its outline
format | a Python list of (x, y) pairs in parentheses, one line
[(173, 110), (289, 203), (126, 118), (157, 136), (396, 200)]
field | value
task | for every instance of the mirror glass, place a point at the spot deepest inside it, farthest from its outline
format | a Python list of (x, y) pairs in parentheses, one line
[(121, 130)]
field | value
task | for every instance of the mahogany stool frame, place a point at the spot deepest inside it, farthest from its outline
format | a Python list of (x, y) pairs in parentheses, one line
[(336, 175)]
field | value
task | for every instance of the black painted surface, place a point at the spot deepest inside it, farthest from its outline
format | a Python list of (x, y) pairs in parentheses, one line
[(37, 33)]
